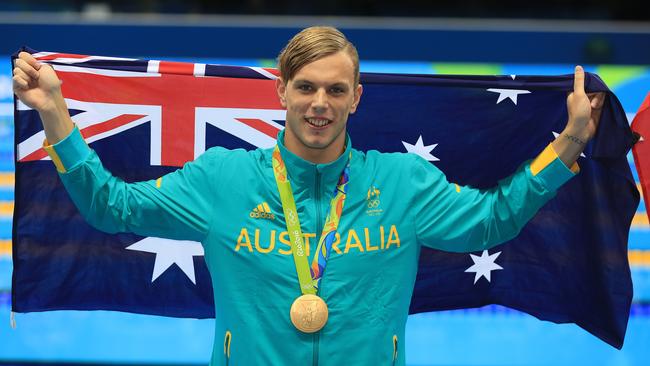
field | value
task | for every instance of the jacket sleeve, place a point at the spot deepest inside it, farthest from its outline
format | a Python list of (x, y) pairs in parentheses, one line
[(463, 219), (175, 206)]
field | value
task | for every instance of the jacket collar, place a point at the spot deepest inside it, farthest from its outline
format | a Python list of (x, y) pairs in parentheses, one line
[(303, 172)]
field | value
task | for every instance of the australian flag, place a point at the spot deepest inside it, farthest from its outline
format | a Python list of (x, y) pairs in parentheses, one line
[(146, 118)]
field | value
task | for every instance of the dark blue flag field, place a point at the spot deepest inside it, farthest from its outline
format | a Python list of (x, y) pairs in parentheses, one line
[(146, 118)]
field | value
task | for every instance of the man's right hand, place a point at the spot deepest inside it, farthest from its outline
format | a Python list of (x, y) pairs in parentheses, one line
[(37, 85), (34, 83)]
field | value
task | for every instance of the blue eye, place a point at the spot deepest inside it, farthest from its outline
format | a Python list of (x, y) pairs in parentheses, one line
[(336, 90), (304, 87)]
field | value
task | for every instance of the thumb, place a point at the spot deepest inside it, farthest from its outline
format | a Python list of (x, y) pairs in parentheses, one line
[(579, 80), (49, 77)]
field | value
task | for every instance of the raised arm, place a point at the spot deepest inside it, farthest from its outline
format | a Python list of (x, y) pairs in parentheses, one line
[(584, 115), (178, 205), (37, 85), (462, 219)]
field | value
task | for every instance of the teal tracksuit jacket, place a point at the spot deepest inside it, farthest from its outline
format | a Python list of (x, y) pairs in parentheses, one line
[(228, 200)]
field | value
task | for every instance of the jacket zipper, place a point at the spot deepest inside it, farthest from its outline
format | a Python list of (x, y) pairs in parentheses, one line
[(319, 224), (316, 340), (316, 347), (226, 346), (395, 349)]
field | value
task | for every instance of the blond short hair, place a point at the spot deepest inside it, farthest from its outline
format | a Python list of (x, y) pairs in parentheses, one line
[(312, 44)]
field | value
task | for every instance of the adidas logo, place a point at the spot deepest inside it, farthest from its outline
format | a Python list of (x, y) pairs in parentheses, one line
[(262, 211)]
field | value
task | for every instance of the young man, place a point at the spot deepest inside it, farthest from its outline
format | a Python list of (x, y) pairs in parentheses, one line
[(271, 306)]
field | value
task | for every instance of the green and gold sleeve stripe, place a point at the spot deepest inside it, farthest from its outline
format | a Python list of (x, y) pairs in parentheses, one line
[(549, 169), (51, 151), (69, 152), (544, 159)]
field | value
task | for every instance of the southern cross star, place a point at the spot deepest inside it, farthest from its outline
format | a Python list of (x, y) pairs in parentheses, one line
[(508, 94), (420, 149), (484, 265)]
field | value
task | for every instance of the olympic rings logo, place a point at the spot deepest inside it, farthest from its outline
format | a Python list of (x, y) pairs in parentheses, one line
[(373, 203)]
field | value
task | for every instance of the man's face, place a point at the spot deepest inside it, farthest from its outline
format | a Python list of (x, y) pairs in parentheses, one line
[(318, 99)]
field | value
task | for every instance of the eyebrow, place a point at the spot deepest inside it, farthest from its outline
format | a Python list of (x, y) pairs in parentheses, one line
[(336, 84)]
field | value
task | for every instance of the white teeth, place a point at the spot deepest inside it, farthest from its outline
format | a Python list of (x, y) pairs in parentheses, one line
[(317, 122)]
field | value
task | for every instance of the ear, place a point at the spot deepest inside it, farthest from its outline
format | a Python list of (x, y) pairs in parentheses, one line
[(281, 88), (357, 98)]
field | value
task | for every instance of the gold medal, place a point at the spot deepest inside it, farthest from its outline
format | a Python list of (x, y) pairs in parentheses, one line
[(309, 313)]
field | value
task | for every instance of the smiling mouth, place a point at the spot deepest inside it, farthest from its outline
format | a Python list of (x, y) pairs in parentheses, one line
[(318, 122)]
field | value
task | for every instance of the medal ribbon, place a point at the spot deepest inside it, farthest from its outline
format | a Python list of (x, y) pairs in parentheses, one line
[(309, 278)]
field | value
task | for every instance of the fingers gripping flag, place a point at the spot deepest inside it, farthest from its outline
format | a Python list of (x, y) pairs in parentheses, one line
[(146, 118)]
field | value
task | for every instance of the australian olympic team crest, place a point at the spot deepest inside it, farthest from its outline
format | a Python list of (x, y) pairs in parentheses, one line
[(373, 202)]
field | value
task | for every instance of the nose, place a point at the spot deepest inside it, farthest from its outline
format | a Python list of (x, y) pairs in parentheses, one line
[(320, 103)]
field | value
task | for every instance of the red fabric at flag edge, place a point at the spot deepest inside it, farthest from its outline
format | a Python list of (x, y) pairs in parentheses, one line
[(640, 125)]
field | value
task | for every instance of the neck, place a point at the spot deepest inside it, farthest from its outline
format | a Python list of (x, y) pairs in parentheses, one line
[(316, 155)]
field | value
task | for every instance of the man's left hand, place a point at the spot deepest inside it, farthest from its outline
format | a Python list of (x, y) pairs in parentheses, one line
[(584, 109)]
